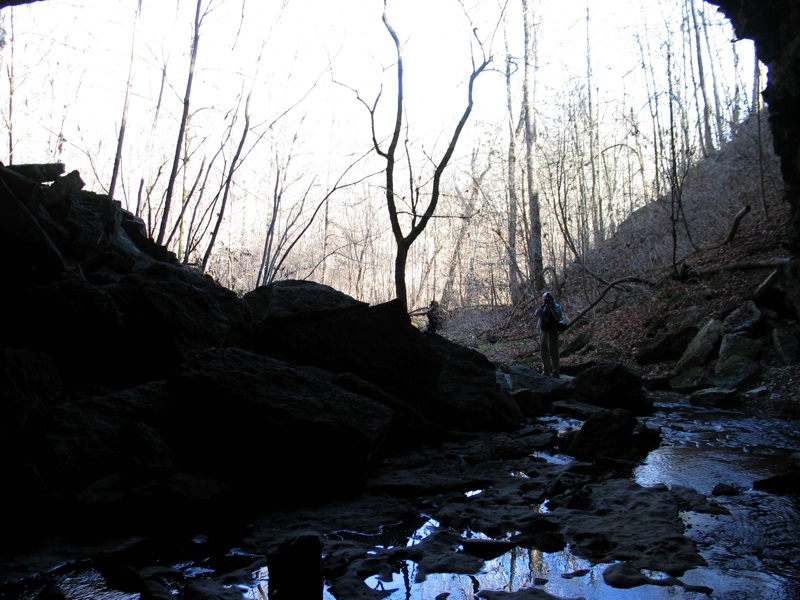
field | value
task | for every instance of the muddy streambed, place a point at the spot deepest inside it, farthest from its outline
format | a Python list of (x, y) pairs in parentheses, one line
[(751, 553)]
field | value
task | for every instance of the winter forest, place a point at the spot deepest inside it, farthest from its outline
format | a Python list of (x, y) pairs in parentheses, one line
[(467, 151)]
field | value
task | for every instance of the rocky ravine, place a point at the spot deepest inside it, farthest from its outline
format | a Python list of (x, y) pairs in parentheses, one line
[(142, 399)]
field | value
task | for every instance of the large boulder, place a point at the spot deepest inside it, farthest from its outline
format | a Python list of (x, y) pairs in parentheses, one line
[(171, 314), (467, 395), (702, 346), (377, 343), (238, 414), (613, 385), (615, 434)]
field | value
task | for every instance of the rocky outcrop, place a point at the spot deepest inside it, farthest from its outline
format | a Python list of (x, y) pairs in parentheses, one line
[(721, 362), (140, 397), (132, 382), (773, 27)]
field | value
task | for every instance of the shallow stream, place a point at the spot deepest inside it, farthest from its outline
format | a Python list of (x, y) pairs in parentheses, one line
[(753, 553)]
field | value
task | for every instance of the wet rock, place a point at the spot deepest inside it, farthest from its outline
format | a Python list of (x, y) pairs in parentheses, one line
[(526, 594), (787, 483), (725, 489), (757, 392), (573, 408), (623, 576), (611, 434), (614, 515), (295, 571)]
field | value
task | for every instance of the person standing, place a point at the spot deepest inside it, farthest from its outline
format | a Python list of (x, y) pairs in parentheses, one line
[(434, 317), (548, 315)]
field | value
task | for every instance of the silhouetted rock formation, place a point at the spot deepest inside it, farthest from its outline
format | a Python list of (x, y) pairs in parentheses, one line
[(134, 384)]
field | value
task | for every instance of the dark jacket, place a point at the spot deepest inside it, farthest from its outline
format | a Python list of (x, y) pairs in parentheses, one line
[(548, 316)]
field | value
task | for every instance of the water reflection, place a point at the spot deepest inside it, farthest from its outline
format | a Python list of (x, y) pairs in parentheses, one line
[(751, 553)]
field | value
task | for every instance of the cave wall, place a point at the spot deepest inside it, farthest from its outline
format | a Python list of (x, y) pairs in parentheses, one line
[(774, 26)]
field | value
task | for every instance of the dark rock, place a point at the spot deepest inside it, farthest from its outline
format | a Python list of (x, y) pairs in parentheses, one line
[(787, 483), (573, 408), (738, 344), (742, 320), (611, 434), (170, 315), (716, 396), (275, 419), (691, 379), (613, 385), (295, 570), (680, 328), (725, 489), (376, 343), (454, 401), (786, 346), (702, 346), (39, 173), (288, 299), (534, 392), (737, 372)]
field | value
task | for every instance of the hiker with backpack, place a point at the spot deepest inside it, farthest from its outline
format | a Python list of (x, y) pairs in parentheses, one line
[(549, 316)]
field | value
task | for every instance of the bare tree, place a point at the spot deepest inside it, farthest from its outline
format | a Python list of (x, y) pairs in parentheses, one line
[(708, 146), (535, 261), (511, 176), (228, 183), (418, 221), (124, 120), (198, 20), (11, 87)]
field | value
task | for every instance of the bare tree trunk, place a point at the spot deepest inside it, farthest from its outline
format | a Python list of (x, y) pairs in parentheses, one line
[(719, 120), (736, 116), (419, 221), (535, 261), (124, 119), (595, 199), (228, 183), (706, 108), (652, 102), (182, 129), (756, 104), (468, 212), (513, 267), (11, 89)]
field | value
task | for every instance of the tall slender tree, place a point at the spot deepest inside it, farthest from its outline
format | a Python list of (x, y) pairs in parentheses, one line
[(535, 261), (419, 221), (124, 120), (511, 184), (162, 230)]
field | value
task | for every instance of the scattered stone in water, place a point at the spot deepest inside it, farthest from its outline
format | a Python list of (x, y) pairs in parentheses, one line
[(725, 489), (578, 573)]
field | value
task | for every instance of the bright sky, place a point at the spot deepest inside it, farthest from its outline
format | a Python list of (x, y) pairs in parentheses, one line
[(280, 49)]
